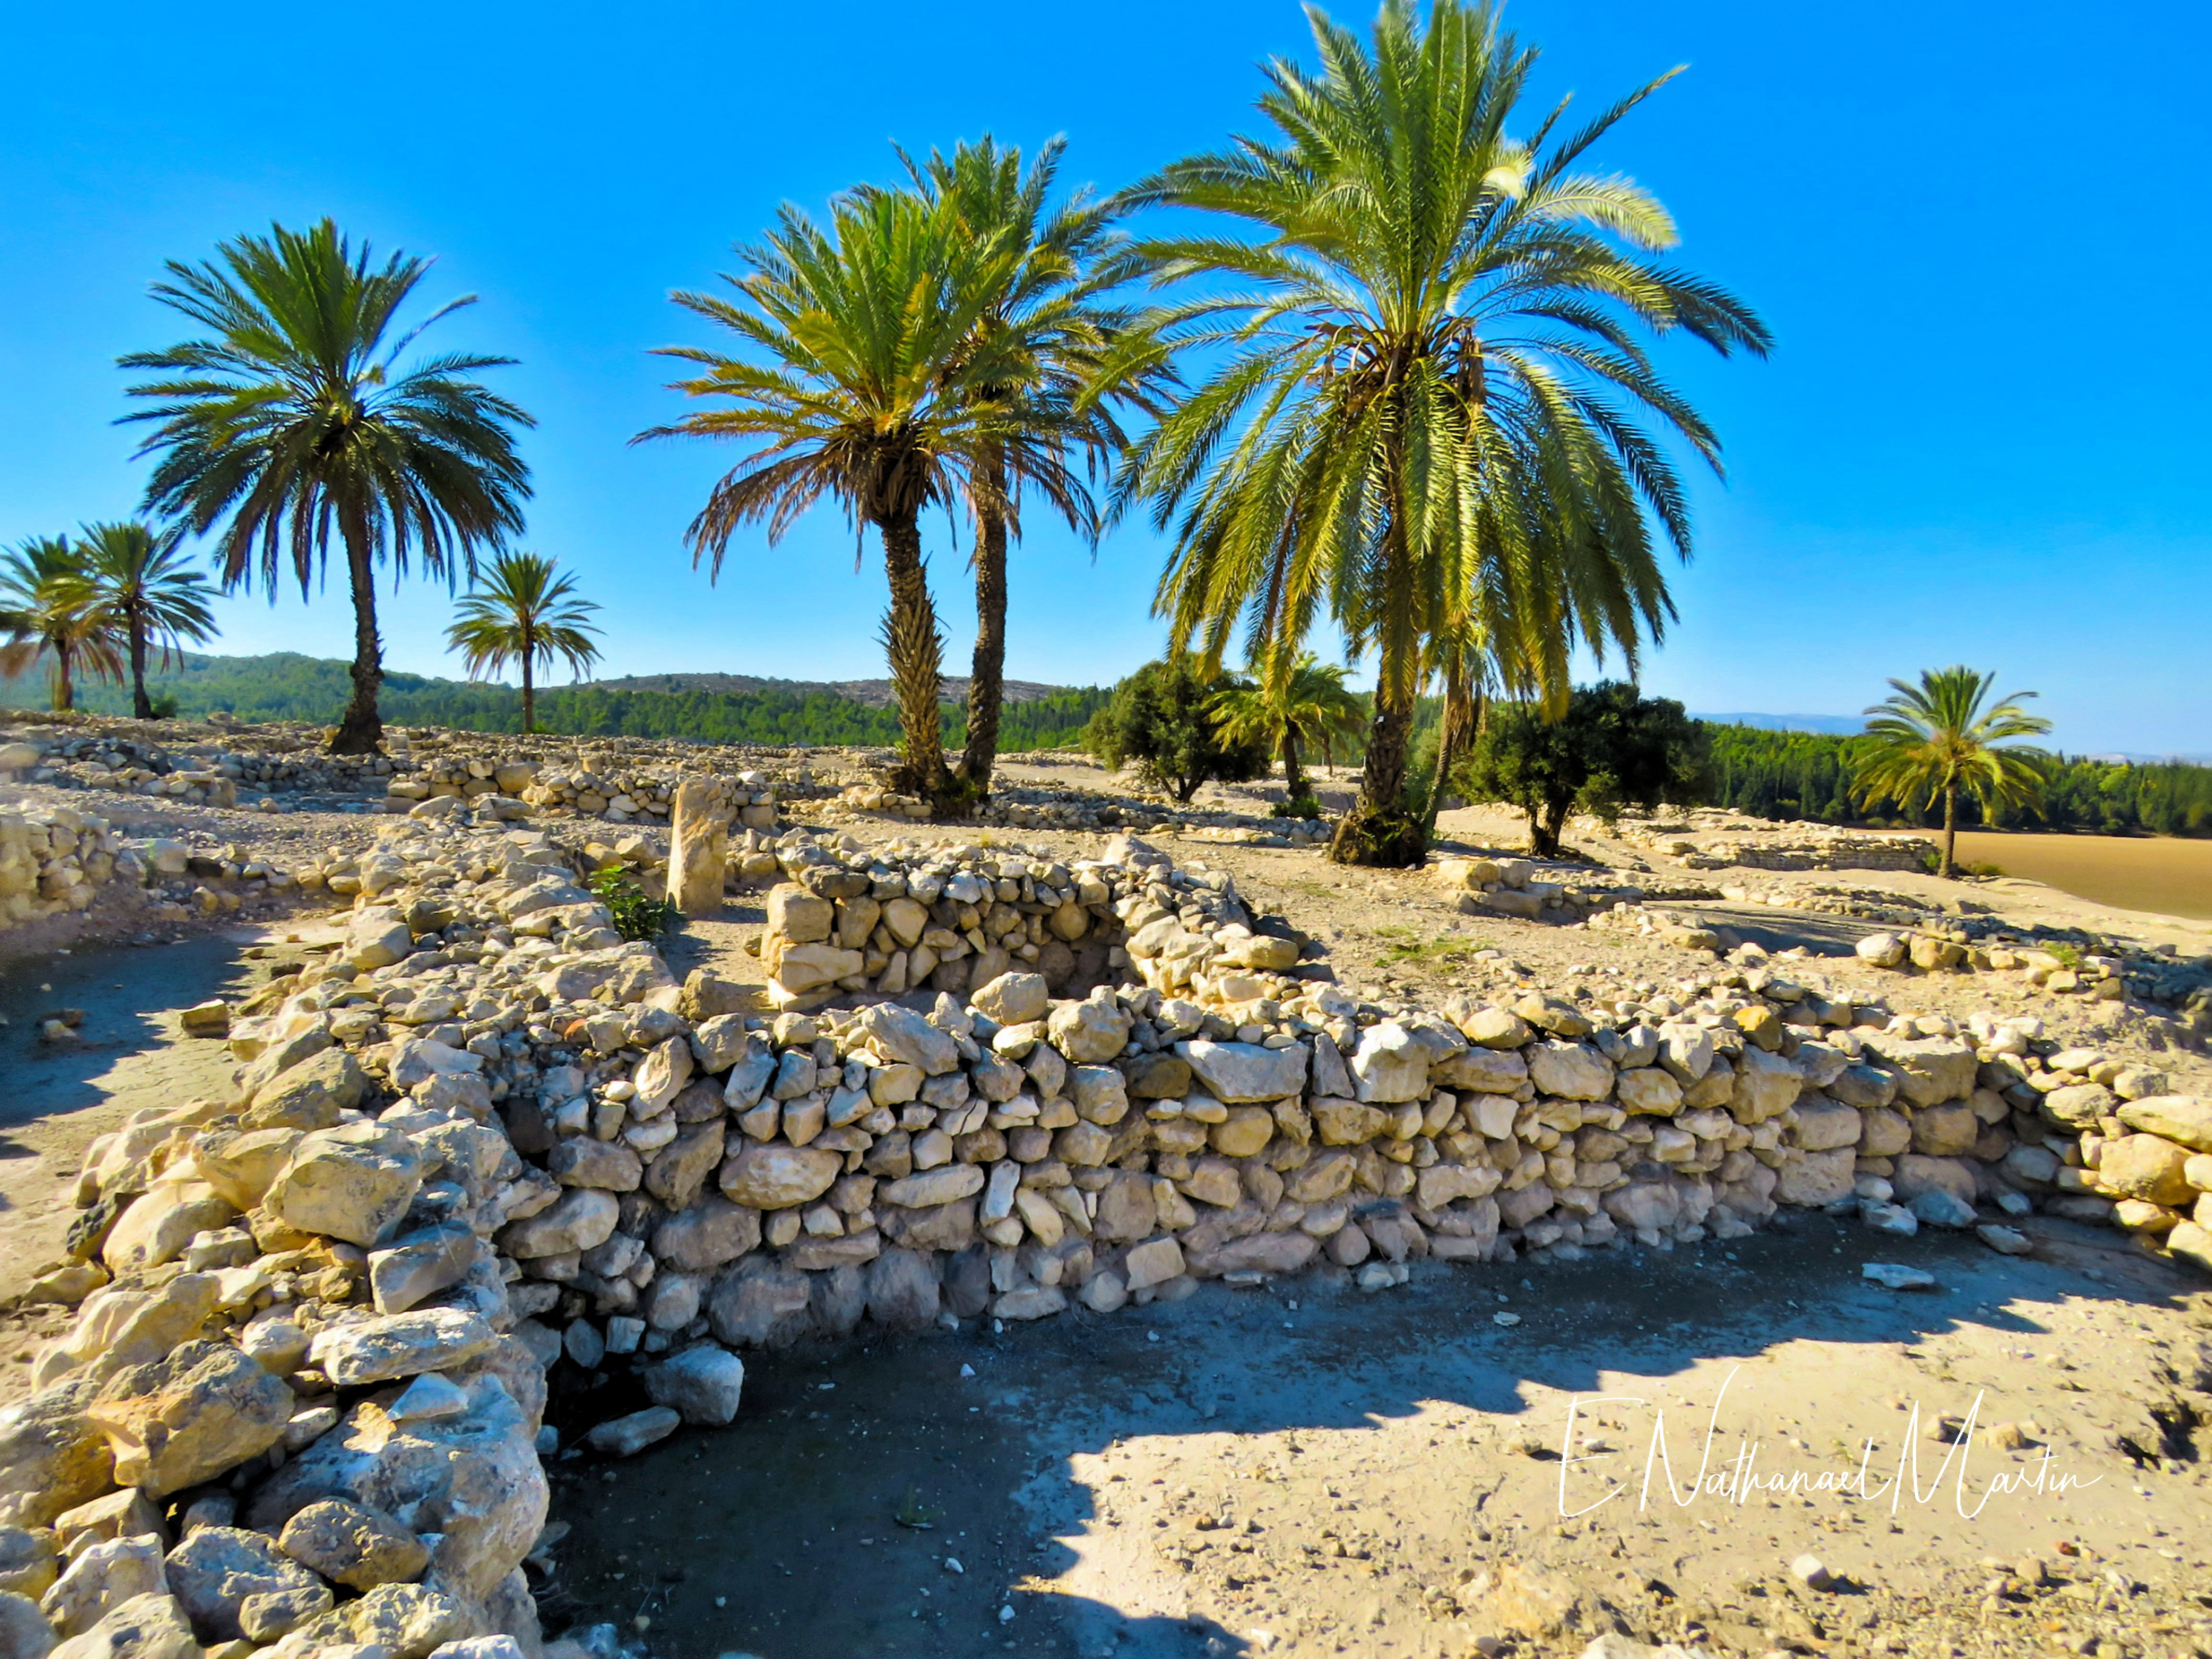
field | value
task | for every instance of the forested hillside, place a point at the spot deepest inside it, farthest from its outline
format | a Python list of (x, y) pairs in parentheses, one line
[(1803, 774), (289, 686)]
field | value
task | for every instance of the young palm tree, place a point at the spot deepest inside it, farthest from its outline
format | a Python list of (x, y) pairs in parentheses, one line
[(291, 418), (864, 352), (1068, 355), (1936, 739), (141, 580), (49, 609), (1304, 705), (1428, 404), (523, 615)]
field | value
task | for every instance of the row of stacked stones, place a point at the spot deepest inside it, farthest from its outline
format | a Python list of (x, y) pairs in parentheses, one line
[(202, 775), (854, 920), (300, 1404), (627, 794), (56, 858), (1760, 845)]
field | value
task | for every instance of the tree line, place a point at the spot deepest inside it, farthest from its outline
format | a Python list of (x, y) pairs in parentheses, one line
[(287, 686), (1805, 774)]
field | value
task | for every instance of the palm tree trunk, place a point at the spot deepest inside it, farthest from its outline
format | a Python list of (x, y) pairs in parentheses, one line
[(987, 677), (141, 705), (64, 692), (1452, 739), (1950, 830), (916, 651), (362, 731), (1294, 777), (1380, 829), (529, 707)]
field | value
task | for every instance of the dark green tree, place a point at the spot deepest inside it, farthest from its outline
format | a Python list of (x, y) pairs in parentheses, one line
[(1610, 749), (1167, 719)]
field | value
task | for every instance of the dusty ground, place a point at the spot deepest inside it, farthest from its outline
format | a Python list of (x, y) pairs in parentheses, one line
[(1303, 1469), (1309, 1470)]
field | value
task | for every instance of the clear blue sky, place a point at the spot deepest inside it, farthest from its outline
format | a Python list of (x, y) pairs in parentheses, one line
[(1979, 230)]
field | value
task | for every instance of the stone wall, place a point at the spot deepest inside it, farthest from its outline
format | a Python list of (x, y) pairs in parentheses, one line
[(1714, 839), (619, 781), (301, 1403)]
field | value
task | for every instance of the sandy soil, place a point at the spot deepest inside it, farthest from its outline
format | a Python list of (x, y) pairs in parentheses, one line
[(2141, 872)]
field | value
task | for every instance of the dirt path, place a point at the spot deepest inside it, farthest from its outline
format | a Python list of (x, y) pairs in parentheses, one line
[(126, 1054)]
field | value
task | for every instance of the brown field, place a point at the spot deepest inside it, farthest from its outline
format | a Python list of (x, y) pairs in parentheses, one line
[(2160, 874)]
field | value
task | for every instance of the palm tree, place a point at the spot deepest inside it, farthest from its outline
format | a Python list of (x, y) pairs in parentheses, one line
[(864, 351), (1067, 355), (1936, 739), (291, 418), (49, 608), (140, 578), (1304, 705), (523, 615), (1429, 388)]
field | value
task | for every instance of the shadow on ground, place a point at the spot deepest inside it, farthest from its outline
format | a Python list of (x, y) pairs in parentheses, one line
[(825, 1520)]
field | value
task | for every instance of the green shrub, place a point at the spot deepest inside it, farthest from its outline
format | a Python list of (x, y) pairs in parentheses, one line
[(1162, 720), (1611, 749), (636, 916)]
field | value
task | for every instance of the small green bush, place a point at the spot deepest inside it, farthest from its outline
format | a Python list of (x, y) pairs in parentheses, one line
[(1165, 719), (1303, 806), (636, 916)]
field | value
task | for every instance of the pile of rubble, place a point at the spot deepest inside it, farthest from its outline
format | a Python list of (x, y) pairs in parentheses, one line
[(1510, 887), (487, 1138), (620, 780)]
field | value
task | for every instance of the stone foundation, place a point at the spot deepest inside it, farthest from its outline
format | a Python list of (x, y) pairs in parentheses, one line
[(300, 1404)]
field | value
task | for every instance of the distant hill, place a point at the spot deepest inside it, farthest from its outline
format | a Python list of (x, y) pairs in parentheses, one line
[(1840, 725), (872, 694), (710, 708)]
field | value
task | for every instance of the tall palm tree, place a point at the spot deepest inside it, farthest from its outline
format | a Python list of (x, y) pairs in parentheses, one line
[(863, 351), (1305, 704), (523, 614), (49, 609), (1936, 739), (291, 417), (140, 578), (1068, 354), (1430, 390)]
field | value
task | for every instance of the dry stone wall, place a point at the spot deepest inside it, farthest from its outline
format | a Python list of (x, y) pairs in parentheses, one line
[(1714, 839), (487, 1141)]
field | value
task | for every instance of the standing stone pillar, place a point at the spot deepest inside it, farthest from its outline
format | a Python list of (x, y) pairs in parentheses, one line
[(699, 846)]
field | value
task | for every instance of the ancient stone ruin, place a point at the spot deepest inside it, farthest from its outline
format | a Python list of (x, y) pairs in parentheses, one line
[(301, 1407)]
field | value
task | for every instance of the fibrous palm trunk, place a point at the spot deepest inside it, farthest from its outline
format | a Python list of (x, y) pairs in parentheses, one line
[(917, 661), (1294, 776), (1457, 729), (362, 731), (529, 704), (1950, 830), (986, 676), (141, 705), (64, 688), (1380, 829)]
